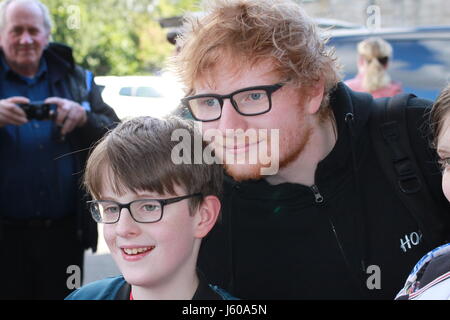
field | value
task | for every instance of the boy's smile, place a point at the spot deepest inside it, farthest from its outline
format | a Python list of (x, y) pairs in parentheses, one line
[(135, 253)]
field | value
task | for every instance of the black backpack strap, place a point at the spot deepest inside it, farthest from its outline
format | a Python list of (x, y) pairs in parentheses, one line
[(389, 131)]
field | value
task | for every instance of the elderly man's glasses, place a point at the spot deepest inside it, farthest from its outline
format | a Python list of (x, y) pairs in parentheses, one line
[(249, 101), (141, 210)]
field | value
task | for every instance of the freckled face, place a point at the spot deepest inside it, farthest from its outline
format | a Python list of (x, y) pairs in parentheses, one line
[(288, 115)]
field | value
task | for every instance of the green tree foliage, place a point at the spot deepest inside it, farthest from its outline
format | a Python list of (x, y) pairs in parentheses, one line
[(116, 37)]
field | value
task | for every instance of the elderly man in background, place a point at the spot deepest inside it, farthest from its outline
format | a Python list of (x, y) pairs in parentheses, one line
[(51, 112)]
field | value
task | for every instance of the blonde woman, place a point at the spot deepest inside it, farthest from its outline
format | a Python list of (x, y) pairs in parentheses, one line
[(373, 60)]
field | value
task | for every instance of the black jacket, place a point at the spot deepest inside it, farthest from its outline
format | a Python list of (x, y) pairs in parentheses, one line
[(61, 67), (281, 242)]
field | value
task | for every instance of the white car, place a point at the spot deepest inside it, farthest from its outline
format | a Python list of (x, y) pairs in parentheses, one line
[(133, 96)]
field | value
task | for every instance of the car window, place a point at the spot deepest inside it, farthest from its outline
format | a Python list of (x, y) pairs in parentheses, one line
[(125, 91), (147, 92), (422, 65)]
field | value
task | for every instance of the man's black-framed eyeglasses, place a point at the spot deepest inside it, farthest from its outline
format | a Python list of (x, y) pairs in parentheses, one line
[(141, 210), (249, 101)]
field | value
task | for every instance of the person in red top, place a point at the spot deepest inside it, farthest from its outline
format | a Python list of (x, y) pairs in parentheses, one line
[(373, 59)]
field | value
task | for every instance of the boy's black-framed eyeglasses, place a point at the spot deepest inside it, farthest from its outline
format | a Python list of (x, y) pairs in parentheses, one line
[(141, 210), (249, 101)]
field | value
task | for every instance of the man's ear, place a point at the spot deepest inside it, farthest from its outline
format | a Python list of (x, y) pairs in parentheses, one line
[(315, 96), (206, 216)]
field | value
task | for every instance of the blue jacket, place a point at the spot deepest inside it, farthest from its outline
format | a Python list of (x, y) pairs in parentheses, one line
[(116, 288)]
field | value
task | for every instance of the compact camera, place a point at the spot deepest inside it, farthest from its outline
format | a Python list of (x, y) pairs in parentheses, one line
[(38, 110)]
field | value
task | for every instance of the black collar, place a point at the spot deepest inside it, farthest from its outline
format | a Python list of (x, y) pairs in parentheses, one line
[(204, 291), (124, 292)]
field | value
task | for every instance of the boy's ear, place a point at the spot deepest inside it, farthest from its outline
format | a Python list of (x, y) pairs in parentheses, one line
[(207, 215)]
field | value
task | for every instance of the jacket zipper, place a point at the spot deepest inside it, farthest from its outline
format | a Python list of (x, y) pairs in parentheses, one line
[(319, 200), (318, 197)]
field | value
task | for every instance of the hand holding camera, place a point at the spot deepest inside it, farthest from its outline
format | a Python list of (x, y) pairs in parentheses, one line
[(65, 113), (28, 110), (10, 113)]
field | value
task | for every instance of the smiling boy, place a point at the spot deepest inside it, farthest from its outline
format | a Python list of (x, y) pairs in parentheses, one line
[(155, 213)]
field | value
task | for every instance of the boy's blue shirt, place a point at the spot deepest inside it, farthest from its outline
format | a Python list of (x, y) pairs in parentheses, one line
[(113, 288), (105, 289)]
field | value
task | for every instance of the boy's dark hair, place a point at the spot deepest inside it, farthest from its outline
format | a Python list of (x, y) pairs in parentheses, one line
[(137, 156)]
